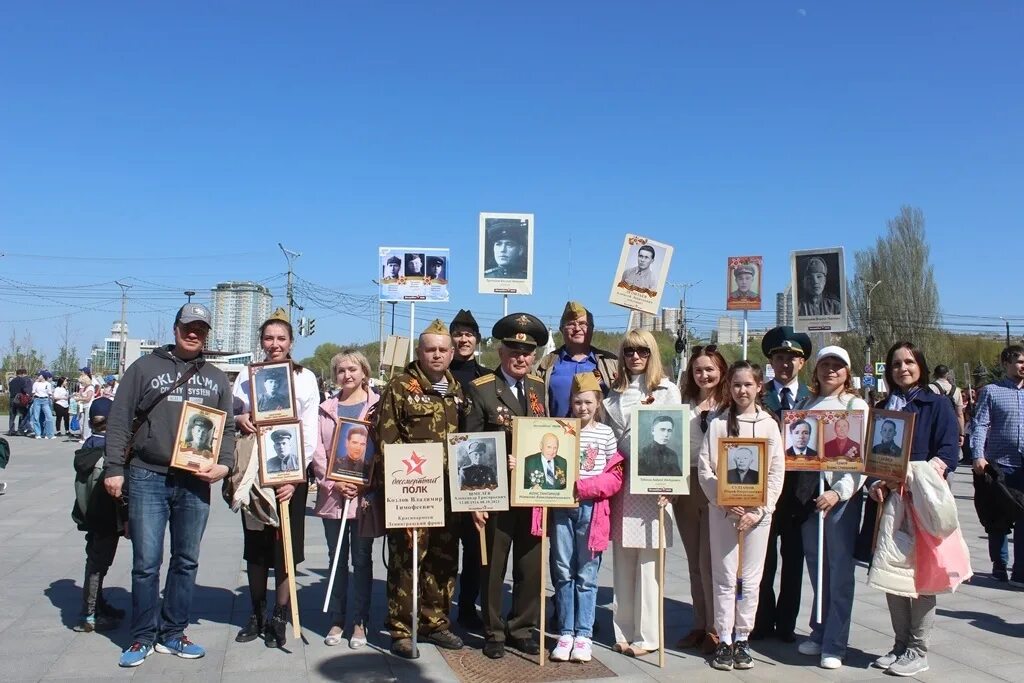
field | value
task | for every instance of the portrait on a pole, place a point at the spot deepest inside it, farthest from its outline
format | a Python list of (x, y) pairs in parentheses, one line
[(801, 432), (271, 389), (506, 253), (742, 466), (413, 485), (413, 273), (843, 447), (282, 460), (547, 461), (351, 456), (890, 434), (200, 430), (743, 283), (640, 276), (478, 472), (819, 290), (659, 441)]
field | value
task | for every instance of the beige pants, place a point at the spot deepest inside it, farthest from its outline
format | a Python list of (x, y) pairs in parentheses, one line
[(635, 609), (732, 611), (691, 514)]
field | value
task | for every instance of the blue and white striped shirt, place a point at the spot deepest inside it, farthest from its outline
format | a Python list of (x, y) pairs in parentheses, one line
[(997, 429)]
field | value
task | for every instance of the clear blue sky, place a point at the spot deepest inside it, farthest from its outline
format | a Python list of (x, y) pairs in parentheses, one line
[(175, 144)]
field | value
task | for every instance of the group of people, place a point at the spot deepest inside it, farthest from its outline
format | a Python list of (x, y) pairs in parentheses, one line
[(732, 551), (42, 408)]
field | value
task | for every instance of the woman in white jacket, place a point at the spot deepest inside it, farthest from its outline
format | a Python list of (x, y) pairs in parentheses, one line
[(743, 417), (841, 502), (640, 381)]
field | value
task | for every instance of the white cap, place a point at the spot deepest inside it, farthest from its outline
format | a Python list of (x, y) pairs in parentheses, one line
[(834, 352)]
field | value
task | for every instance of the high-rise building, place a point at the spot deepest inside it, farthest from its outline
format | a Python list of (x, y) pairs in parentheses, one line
[(784, 307), (238, 309), (730, 330), (669, 321), (645, 321)]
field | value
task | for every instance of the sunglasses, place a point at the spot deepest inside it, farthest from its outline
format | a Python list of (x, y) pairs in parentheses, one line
[(704, 420), (710, 348), (641, 351)]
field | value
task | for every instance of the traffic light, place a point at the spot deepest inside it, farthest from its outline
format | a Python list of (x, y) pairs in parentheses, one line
[(302, 327), (310, 327)]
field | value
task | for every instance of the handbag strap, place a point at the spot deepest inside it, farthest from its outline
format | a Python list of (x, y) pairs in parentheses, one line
[(142, 414)]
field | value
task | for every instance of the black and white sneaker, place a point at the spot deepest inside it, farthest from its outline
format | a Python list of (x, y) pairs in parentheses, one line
[(741, 655), (723, 659)]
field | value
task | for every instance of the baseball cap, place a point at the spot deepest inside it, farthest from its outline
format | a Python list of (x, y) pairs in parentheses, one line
[(833, 352), (190, 313)]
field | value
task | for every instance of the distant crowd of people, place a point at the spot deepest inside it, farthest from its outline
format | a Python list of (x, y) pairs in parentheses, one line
[(47, 407)]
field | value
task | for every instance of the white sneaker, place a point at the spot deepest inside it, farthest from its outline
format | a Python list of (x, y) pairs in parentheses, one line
[(582, 650), (562, 649), (830, 662), (809, 647)]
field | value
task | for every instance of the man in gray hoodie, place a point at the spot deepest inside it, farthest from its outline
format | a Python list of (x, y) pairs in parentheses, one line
[(158, 495)]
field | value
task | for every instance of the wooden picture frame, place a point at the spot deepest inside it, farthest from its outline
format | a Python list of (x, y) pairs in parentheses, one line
[(532, 441), (349, 437), (272, 403), (478, 472), (742, 472), (282, 455), (882, 459), (802, 433), (200, 430), (659, 439)]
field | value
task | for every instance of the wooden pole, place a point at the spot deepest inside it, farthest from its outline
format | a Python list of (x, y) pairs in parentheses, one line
[(414, 624), (739, 566), (821, 551), (337, 554), (661, 586), (483, 545), (289, 565), (543, 582)]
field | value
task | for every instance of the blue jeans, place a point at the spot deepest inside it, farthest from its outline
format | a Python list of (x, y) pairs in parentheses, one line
[(999, 544), (574, 570), (841, 526), (41, 417), (154, 500), (362, 563)]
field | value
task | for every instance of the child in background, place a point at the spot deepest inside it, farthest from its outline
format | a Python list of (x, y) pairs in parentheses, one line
[(581, 534), (100, 517), (734, 614)]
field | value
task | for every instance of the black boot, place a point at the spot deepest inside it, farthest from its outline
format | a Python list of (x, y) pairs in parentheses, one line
[(254, 627), (91, 619), (105, 608), (274, 633)]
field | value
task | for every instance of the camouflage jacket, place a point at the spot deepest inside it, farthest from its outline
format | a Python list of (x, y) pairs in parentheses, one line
[(410, 411)]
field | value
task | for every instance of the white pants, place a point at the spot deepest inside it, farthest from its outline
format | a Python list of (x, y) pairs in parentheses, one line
[(635, 609), (731, 610)]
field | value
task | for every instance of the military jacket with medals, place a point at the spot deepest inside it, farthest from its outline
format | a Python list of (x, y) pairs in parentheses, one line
[(493, 404)]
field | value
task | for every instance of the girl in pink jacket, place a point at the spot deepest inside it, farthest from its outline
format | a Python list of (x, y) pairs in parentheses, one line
[(580, 535)]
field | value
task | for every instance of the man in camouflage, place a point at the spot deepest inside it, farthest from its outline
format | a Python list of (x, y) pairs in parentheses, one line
[(422, 404), (495, 399)]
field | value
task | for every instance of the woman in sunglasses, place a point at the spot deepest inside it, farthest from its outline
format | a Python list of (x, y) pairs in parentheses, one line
[(640, 381), (704, 389)]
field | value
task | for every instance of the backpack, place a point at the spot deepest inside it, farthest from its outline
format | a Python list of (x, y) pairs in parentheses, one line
[(948, 394), (88, 464), (5, 453)]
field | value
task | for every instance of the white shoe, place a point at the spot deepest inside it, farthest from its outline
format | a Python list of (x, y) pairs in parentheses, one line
[(582, 650), (809, 647), (830, 662), (562, 649)]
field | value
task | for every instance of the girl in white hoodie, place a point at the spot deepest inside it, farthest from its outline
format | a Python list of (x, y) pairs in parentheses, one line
[(742, 417)]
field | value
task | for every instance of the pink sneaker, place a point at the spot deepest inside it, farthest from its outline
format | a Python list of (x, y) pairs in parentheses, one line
[(582, 650), (562, 649)]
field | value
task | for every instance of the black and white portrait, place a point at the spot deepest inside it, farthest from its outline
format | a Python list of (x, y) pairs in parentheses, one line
[(640, 276), (657, 457), (743, 465), (659, 447), (644, 273), (200, 430), (888, 437), (281, 456), (271, 391), (819, 286), (437, 268), (199, 434), (478, 472), (476, 465), (506, 250), (415, 265), (392, 268)]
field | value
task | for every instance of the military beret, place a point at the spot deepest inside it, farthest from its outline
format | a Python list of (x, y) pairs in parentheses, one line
[(815, 265), (585, 381), (280, 435), (520, 329), (786, 339), (437, 327), (464, 318), (573, 310)]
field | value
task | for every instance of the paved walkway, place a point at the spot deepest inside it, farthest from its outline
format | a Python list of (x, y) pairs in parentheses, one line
[(979, 633)]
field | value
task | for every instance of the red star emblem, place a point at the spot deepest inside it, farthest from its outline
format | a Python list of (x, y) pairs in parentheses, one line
[(414, 463)]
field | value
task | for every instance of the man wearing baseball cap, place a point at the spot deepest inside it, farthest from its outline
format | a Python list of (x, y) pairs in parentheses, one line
[(138, 459)]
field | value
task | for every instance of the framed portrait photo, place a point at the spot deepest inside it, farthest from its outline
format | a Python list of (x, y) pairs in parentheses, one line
[(659, 442), (414, 485), (506, 253), (282, 457), (819, 290), (742, 472), (640, 277), (802, 435), (743, 283), (200, 430), (547, 461), (890, 437), (351, 456), (842, 440), (478, 472), (271, 392)]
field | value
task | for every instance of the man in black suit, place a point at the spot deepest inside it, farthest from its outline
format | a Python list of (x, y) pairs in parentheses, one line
[(800, 437), (495, 399), (741, 473)]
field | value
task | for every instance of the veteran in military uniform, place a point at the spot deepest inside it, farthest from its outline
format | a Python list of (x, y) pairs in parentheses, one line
[(422, 404), (812, 297), (506, 242), (477, 476), (495, 399)]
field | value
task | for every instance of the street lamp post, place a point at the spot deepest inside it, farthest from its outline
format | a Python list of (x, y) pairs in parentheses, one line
[(868, 338), (189, 293), (1007, 329)]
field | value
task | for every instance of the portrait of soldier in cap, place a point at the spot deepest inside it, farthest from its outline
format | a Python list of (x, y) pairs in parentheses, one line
[(818, 286), (392, 269), (505, 251), (198, 435), (272, 390), (475, 474), (437, 268), (414, 265), (284, 458)]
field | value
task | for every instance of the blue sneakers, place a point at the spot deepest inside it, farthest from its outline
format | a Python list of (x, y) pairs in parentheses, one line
[(182, 647), (135, 655)]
